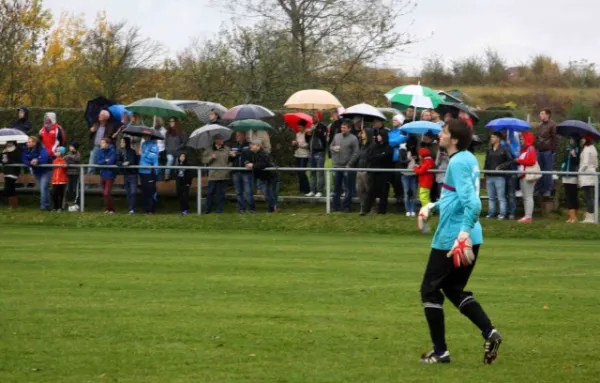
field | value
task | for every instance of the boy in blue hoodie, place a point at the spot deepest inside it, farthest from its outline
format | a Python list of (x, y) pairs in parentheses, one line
[(148, 176)]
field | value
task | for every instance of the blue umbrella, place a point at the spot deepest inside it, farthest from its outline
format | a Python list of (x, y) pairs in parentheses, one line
[(576, 128), (117, 111), (421, 127), (508, 123)]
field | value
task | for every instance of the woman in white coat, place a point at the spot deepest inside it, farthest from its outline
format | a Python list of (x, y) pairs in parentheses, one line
[(588, 163)]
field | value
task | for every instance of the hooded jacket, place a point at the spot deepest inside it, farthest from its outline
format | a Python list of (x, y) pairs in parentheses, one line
[(23, 124), (73, 158), (40, 154), (427, 163), (261, 161), (396, 139), (59, 173), (528, 155), (107, 156), (53, 136), (383, 154), (365, 156), (129, 156), (243, 155), (149, 157)]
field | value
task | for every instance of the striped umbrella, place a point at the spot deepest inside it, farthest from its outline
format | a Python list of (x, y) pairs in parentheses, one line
[(415, 95), (8, 135)]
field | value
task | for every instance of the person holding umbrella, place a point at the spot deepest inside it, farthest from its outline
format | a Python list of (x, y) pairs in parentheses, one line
[(301, 155), (317, 142), (216, 156), (588, 164), (11, 156), (396, 138), (571, 164), (241, 155)]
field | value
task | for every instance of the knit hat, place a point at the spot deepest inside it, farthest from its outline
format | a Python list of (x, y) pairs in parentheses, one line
[(51, 116), (399, 117), (61, 150), (424, 152)]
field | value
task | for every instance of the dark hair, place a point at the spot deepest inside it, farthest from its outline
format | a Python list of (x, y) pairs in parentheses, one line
[(497, 134), (107, 140), (547, 111), (347, 122), (302, 123), (460, 131), (176, 130)]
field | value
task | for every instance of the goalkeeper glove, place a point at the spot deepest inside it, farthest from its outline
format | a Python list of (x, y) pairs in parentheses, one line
[(462, 252)]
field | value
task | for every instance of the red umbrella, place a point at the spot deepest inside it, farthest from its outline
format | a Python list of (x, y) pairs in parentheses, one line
[(292, 120)]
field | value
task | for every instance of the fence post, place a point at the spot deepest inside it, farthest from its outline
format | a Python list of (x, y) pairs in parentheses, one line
[(82, 189), (596, 192), (199, 192), (327, 192)]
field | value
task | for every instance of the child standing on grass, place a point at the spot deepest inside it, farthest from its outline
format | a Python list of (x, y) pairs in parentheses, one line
[(426, 178), (73, 157), (60, 179)]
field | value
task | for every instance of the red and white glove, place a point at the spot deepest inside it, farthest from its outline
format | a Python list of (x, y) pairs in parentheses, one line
[(424, 215), (462, 252)]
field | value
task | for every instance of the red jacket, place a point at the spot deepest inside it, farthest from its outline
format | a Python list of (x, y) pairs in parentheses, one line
[(528, 155), (427, 163), (59, 175), (52, 139)]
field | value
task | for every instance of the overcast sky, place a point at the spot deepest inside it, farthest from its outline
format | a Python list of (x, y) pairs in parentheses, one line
[(518, 29)]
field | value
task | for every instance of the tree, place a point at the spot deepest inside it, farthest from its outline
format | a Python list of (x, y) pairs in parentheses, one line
[(434, 72), (114, 53), (469, 71), (496, 67)]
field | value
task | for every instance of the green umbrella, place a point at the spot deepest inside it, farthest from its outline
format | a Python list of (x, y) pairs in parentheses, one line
[(156, 107), (247, 125), (415, 95)]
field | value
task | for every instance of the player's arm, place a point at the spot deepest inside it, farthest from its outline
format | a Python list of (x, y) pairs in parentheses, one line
[(463, 179)]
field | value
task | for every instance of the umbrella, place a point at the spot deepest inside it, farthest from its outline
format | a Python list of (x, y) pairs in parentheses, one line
[(93, 108), (312, 99), (156, 107), (415, 95), (245, 112), (247, 125), (117, 111), (202, 108), (7, 135), (364, 111), (202, 138), (507, 123), (141, 130), (475, 140), (389, 110), (576, 128), (292, 120), (454, 109), (421, 127)]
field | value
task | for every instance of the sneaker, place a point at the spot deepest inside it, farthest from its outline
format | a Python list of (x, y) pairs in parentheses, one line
[(413, 214), (490, 216), (185, 212), (526, 220), (106, 212), (319, 195), (311, 194), (408, 214), (501, 218), (518, 194), (512, 217), (131, 212), (431, 357), (491, 347)]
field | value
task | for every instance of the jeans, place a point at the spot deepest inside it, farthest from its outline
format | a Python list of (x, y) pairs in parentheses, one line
[(216, 190), (302, 178), (43, 181), (131, 182), (409, 185), (271, 193), (107, 185), (496, 187), (511, 196), (546, 162), (244, 189), (148, 182), (528, 187), (170, 162), (73, 189), (92, 161), (317, 178), (342, 178)]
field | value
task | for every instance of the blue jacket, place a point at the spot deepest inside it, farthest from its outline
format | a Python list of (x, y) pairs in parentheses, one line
[(396, 139), (149, 157), (459, 205), (107, 156), (40, 154)]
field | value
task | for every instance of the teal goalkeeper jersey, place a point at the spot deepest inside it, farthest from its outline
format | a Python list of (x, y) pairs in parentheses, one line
[(459, 206)]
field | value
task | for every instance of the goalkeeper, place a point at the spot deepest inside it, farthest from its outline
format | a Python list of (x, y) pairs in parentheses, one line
[(455, 247)]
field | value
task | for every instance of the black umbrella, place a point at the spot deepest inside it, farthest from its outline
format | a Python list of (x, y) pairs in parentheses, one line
[(94, 107), (141, 130), (476, 140), (454, 109), (576, 128)]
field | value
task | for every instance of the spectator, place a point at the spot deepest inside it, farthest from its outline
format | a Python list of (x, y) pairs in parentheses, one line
[(126, 156), (426, 115), (546, 143), (588, 164), (216, 156), (102, 129), (345, 150), (334, 128), (136, 142), (527, 158), (317, 143), (396, 139), (11, 156), (265, 140), (497, 156), (149, 157), (378, 125), (240, 156), (184, 183), (364, 180), (125, 122), (22, 122), (174, 143), (407, 160), (214, 118), (52, 135), (301, 155), (410, 114), (511, 141), (383, 158), (73, 157), (441, 163), (571, 164), (162, 149), (34, 156), (60, 179), (435, 118), (260, 162), (108, 157), (426, 178), (430, 142)]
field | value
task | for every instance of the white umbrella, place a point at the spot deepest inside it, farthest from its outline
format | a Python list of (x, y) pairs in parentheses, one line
[(364, 111), (312, 99), (202, 138), (8, 135)]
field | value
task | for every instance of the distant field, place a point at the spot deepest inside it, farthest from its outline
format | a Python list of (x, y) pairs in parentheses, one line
[(131, 305)]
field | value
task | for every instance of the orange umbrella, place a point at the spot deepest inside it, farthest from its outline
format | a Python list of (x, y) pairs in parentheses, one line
[(292, 120)]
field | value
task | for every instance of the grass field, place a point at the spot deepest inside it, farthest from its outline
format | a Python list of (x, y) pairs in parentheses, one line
[(109, 305)]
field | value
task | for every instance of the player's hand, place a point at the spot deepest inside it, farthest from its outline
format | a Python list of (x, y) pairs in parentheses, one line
[(462, 252), (425, 211)]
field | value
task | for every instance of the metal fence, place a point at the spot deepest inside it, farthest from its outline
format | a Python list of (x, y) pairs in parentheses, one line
[(327, 174)]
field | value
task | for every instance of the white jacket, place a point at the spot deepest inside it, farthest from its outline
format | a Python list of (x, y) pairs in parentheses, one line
[(588, 163)]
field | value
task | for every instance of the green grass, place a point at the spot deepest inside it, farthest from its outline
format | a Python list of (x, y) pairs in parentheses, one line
[(89, 304)]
